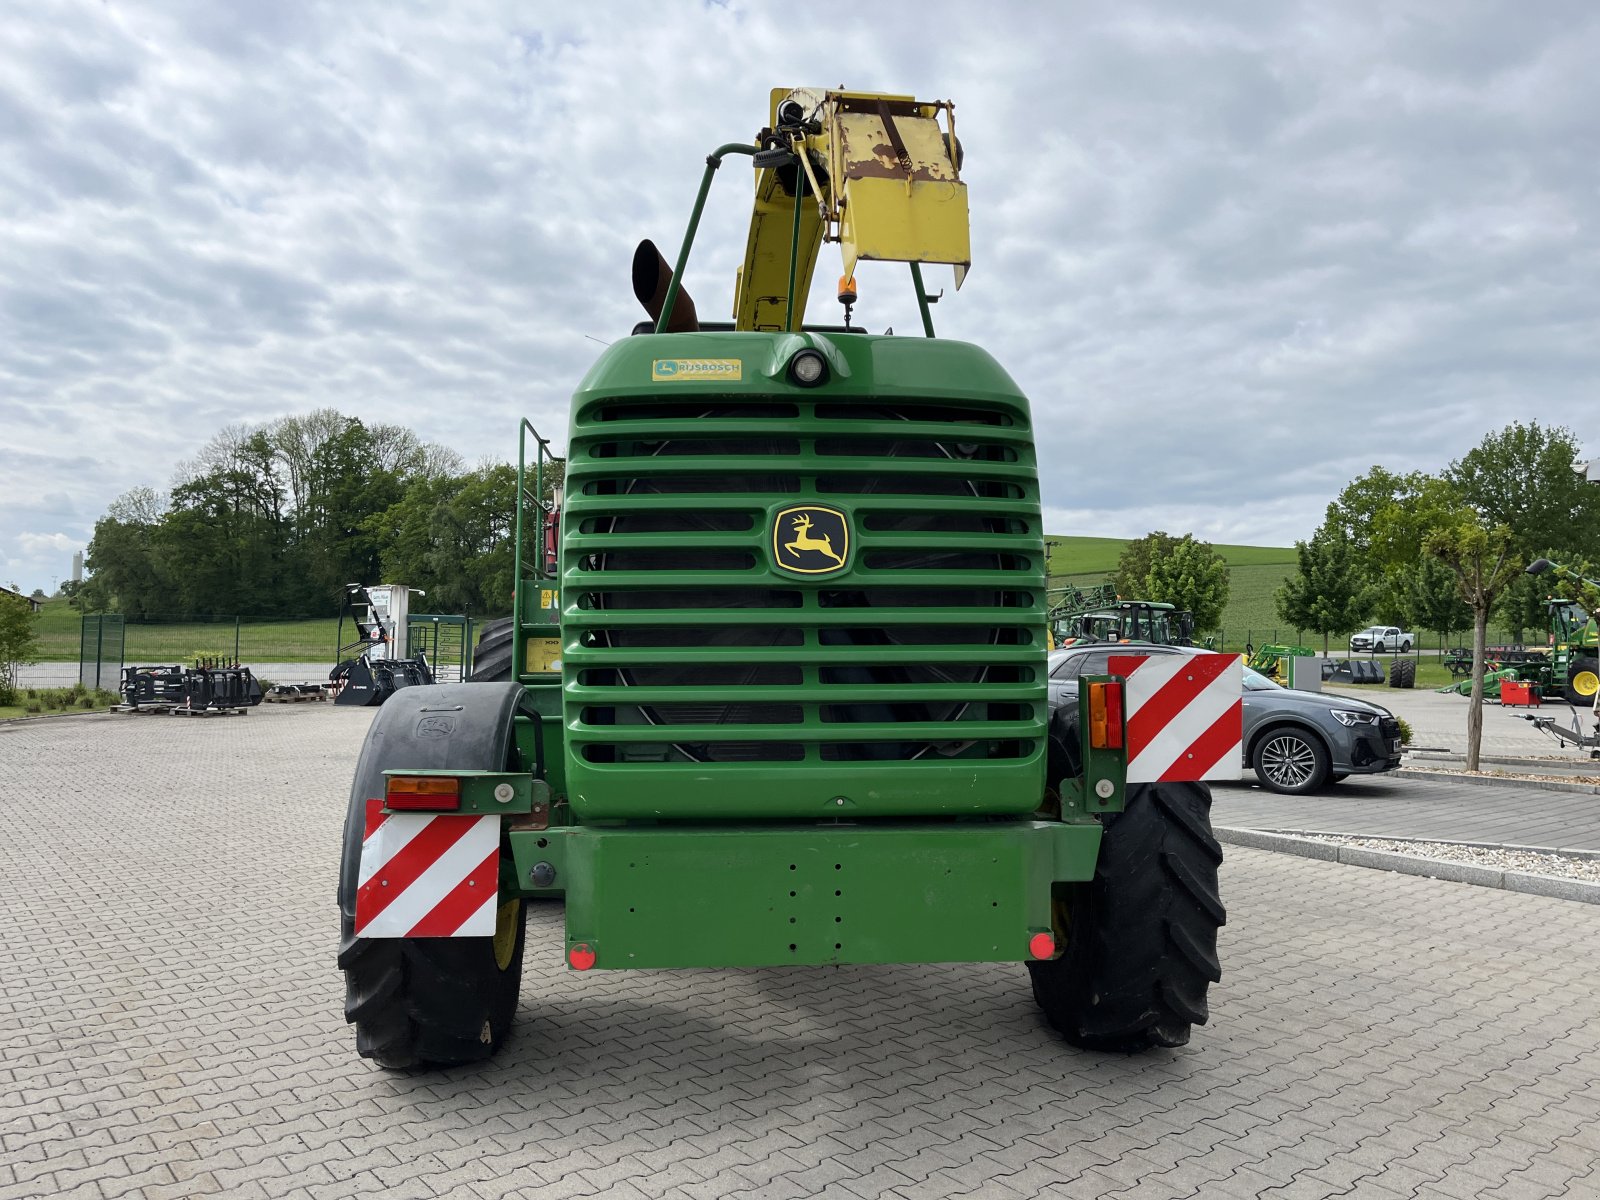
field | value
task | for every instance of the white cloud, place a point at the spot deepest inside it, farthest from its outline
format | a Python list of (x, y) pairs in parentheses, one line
[(1234, 254)]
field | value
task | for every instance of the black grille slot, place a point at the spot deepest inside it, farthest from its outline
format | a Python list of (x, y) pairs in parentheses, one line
[(905, 751), (729, 752), (916, 485), (695, 484), (729, 597), (685, 558), (924, 597), (938, 414), (657, 410), (668, 521), (887, 447), (925, 522), (691, 636), (743, 447), (934, 559)]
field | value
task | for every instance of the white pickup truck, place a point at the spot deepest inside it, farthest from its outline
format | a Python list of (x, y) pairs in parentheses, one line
[(1381, 639)]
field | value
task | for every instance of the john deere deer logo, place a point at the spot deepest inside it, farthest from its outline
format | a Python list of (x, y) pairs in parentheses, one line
[(811, 540)]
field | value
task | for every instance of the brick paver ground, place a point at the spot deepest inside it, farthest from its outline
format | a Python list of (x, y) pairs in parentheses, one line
[(170, 1025), (1393, 805)]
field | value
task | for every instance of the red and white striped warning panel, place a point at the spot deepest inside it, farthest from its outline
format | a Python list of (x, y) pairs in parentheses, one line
[(1184, 717), (424, 875)]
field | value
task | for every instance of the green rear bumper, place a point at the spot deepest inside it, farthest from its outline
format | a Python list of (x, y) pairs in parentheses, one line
[(709, 896)]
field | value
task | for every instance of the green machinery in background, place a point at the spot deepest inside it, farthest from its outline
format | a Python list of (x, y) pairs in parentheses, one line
[(775, 691), (1568, 669), (1098, 614)]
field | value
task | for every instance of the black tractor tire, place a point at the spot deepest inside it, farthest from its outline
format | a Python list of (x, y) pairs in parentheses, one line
[(1582, 680), (430, 1001), (491, 659), (1290, 761), (1403, 673), (1141, 937)]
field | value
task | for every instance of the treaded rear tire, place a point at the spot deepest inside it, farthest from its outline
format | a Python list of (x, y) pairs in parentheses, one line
[(1574, 697), (1403, 673), (428, 1001), (491, 659), (1141, 938)]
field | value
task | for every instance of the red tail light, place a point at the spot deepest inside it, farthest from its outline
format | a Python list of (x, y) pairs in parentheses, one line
[(581, 956), (1042, 945), (1105, 716), (423, 793)]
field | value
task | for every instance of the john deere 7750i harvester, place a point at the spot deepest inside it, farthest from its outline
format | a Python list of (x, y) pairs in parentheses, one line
[(780, 698)]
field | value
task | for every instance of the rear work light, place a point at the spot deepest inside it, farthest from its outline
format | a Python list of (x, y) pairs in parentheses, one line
[(423, 793), (1105, 716)]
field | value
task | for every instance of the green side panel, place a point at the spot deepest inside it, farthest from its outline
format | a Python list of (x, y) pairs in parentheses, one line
[(742, 897), (707, 676)]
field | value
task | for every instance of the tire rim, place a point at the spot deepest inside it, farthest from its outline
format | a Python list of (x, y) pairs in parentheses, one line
[(505, 932), (1586, 683), (1288, 762)]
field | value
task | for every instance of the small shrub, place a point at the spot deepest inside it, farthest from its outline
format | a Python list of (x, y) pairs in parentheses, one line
[(33, 693), (8, 695), (32, 708), (88, 702), (1405, 731)]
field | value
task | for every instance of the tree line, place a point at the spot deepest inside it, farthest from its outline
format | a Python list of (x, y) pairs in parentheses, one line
[(1444, 551), (275, 521)]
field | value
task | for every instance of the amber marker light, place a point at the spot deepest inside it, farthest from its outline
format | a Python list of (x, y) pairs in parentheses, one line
[(423, 793)]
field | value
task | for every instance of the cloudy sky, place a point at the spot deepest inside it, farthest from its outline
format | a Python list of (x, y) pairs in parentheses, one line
[(1235, 252)]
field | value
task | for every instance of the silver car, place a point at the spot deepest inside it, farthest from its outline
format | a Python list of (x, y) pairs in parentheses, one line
[(1296, 742)]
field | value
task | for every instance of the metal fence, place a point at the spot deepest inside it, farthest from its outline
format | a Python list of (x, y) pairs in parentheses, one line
[(100, 644)]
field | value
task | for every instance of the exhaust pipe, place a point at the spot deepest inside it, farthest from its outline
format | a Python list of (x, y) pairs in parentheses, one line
[(651, 276)]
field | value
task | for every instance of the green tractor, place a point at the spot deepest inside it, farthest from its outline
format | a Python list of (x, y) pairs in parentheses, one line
[(1572, 670), (775, 686), (1099, 615)]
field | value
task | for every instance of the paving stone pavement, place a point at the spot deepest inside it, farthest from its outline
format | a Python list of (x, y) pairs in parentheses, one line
[(170, 1025), (1393, 805)]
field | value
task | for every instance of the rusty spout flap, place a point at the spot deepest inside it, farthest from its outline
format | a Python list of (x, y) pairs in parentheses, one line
[(651, 277), (898, 183)]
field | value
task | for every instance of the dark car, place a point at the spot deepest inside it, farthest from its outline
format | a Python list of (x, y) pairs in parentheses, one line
[(1295, 741)]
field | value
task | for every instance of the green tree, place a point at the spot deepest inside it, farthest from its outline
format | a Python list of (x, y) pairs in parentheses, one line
[(1133, 564), (1484, 561), (1522, 477), (1433, 600), (19, 639), (125, 572), (1329, 592), (1179, 571)]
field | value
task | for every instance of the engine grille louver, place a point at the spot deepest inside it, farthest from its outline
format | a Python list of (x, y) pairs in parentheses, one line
[(685, 644)]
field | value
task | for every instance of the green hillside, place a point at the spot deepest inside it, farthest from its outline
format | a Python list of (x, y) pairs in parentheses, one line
[(1255, 573)]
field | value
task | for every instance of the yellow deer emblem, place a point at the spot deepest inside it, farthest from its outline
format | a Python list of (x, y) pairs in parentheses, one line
[(804, 541), (809, 539)]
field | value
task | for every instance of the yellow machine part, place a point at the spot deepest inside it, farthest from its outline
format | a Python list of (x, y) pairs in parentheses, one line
[(761, 297), (890, 191), (899, 196)]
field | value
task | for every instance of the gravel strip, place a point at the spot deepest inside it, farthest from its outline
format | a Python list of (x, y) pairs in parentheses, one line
[(1499, 858)]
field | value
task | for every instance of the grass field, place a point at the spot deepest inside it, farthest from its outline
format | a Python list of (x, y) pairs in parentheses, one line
[(264, 641)]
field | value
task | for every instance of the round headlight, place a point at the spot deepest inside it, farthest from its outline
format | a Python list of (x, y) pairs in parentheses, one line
[(808, 368)]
